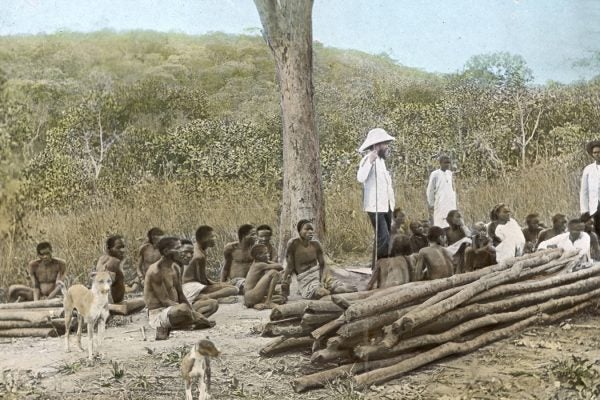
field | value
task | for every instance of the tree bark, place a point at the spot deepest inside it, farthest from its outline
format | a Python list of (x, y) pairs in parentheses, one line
[(283, 344), (327, 329), (273, 328), (287, 29), (32, 304), (289, 310), (30, 332)]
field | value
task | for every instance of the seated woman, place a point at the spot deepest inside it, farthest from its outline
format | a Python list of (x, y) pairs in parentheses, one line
[(507, 233)]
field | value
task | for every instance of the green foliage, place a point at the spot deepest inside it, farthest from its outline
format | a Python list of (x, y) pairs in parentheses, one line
[(580, 374)]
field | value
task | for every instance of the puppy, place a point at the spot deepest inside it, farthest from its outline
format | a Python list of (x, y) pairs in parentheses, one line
[(195, 367), (92, 307)]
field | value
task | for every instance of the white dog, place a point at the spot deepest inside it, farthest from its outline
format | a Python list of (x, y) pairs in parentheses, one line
[(92, 307), (195, 368)]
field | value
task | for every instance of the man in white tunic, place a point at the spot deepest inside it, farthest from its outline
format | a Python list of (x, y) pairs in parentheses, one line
[(378, 199), (441, 197), (575, 239), (589, 193)]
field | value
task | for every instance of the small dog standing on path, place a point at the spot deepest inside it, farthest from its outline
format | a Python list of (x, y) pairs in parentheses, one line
[(195, 367), (92, 307)]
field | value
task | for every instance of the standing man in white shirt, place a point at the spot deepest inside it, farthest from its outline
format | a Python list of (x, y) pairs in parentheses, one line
[(378, 199), (441, 197), (589, 193), (575, 239)]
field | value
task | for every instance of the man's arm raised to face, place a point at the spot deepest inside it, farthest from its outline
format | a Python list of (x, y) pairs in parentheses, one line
[(228, 259)]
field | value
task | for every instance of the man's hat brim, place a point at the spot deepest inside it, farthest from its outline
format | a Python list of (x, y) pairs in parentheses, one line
[(590, 146)]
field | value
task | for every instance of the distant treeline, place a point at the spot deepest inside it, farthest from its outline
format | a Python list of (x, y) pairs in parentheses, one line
[(86, 115)]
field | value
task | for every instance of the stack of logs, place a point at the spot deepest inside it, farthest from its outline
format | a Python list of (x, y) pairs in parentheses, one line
[(379, 335), (33, 318)]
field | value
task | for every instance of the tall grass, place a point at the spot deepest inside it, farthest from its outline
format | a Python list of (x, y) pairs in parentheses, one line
[(78, 236)]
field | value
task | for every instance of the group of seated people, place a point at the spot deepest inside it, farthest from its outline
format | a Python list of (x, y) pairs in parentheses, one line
[(424, 252)]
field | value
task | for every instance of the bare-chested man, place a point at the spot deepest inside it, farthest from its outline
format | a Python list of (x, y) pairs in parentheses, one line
[(481, 253), (46, 273), (148, 252), (196, 284), (531, 232), (397, 269), (111, 261), (305, 258), (434, 262), (203, 305), (456, 228), (559, 226), (264, 233), (262, 280), (167, 306), (237, 257)]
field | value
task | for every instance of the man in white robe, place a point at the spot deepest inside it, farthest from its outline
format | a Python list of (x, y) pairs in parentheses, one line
[(589, 192), (441, 197)]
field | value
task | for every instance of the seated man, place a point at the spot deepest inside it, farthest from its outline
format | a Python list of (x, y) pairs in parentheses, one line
[(305, 258), (481, 253), (456, 229), (237, 257), (532, 232), (574, 239), (262, 280), (589, 229), (397, 269), (507, 233), (434, 262), (111, 261), (167, 306), (148, 252), (204, 306), (196, 284), (264, 233), (418, 239), (46, 274), (559, 225)]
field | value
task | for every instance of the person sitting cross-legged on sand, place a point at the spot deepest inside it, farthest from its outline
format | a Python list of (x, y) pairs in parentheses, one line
[(559, 226), (46, 274), (264, 233), (506, 232), (434, 261), (167, 306), (481, 253), (196, 284), (574, 239), (262, 279), (532, 232), (305, 258), (237, 258)]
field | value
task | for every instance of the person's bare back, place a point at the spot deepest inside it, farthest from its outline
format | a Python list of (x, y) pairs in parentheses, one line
[(436, 260), (394, 271)]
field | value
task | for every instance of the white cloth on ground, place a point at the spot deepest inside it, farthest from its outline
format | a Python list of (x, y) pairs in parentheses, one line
[(562, 241), (453, 248), (441, 196), (512, 240), (191, 290), (159, 317), (308, 282)]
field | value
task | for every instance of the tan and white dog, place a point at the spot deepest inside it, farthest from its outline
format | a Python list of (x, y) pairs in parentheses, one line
[(92, 307), (195, 368)]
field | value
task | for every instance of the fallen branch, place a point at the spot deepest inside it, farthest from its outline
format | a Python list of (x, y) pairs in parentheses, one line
[(283, 344), (58, 302)]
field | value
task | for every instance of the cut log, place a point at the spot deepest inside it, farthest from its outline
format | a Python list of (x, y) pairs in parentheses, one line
[(468, 312), (281, 345), (370, 352), (532, 286), (321, 378), (405, 294), (15, 324), (271, 329), (320, 307), (340, 356), (327, 329), (316, 320), (417, 318), (58, 302), (385, 374), (31, 315), (289, 310), (370, 324), (30, 332), (127, 307), (338, 342)]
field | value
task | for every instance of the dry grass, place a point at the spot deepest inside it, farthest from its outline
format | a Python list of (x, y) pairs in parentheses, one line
[(78, 236)]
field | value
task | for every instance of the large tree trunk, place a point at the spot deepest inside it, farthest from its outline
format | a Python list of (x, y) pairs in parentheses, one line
[(287, 29)]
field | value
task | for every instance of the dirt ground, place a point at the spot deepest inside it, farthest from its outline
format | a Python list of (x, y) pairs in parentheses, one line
[(551, 362)]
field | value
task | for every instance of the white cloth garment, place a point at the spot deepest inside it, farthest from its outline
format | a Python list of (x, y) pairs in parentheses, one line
[(385, 191), (562, 241), (441, 196), (589, 190), (308, 282), (191, 290), (513, 241)]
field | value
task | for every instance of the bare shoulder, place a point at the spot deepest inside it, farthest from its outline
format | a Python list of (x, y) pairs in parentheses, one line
[(291, 243), (316, 244), (230, 247)]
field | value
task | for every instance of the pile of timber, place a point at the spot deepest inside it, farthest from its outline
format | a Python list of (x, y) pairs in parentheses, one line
[(41, 318), (379, 335)]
